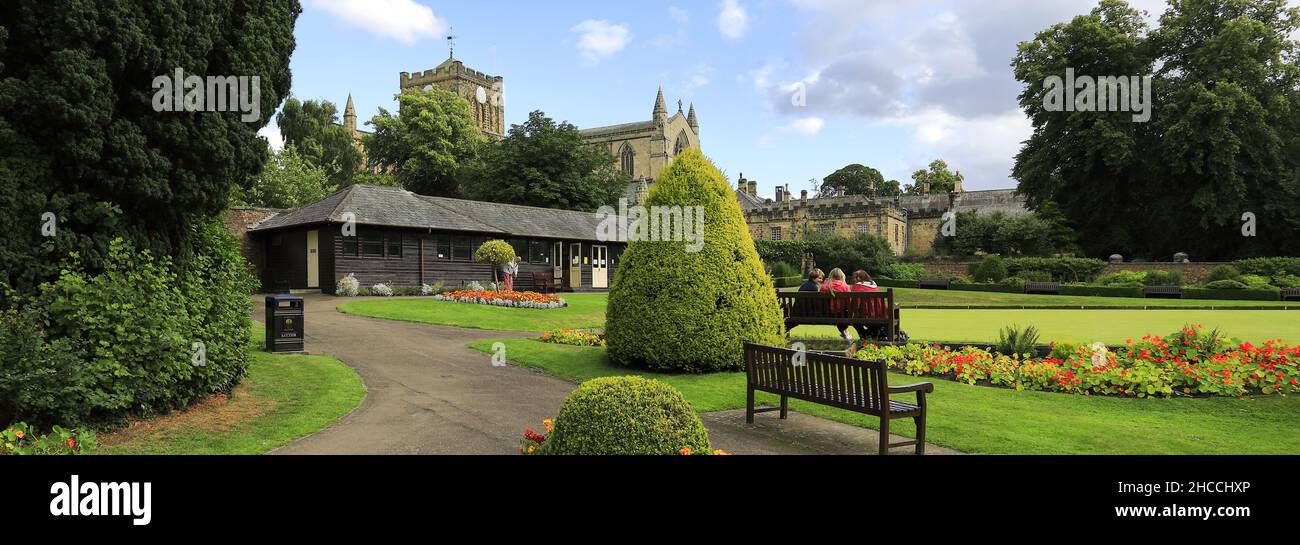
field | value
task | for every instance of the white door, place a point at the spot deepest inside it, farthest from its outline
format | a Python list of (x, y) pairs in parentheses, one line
[(557, 260), (313, 259), (575, 266), (600, 267)]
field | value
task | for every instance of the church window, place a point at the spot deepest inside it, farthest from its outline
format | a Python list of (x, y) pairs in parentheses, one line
[(627, 160), (682, 143)]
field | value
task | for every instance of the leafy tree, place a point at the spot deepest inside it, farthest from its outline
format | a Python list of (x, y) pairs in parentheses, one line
[(1012, 235), (661, 315), (547, 164), (288, 181), (370, 178), (1223, 138), (858, 179), (312, 127), (936, 179), (860, 251), (80, 137), (495, 253), (430, 141)]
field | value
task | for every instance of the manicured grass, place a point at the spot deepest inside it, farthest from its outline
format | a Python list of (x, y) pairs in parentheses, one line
[(1111, 326), (283, 398), (917, 297), (979, 419), (584, 311)]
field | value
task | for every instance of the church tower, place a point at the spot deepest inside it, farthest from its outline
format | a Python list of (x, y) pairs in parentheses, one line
[(485, 93), (350, 115)]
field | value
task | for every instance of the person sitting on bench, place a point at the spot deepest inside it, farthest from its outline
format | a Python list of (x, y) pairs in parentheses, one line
[(863, 282), (836, 284)]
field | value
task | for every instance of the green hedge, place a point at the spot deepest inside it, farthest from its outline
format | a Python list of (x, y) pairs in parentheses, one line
[(1062, 269), (892, 283), (788, 251), (1102, 291), (1231, 294), (626, 416), (1269, 267), (788, 281)]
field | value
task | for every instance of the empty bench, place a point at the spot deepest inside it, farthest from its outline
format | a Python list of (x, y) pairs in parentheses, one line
[(1162, 292), (858, 308), (933, 283), (1291, 294), (544, 282), (854, 385), (1043, 288)]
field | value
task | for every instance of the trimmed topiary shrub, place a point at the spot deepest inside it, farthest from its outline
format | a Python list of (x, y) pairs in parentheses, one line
[(991, 269), (1254, 281), (626, 416), (1224, 285), (1225, 272), (671, 309), (1015, 282)]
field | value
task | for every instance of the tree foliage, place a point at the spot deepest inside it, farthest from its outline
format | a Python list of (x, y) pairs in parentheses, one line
[(1033, 234), (79, 136), (428, 143), (1223, 139), (289, 180), (936, 179), (858, 179), (546, 164), (313, 128)]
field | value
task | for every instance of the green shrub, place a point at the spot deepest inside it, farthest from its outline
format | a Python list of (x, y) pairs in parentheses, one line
[(1036, 276), (781, 269), (1123, 278), (860, 251), (20, 438), (788, 281), (1254, 281), (959, 281), (1271, 294), (1064, 350), (1223, 272), (1286, 281), (143, 336), (1224, 285), (1013, 341), (787, 251), (1162, 278), (1015, 282), (905, 271), (626, 416), (1059, 269), (661, 315), (1270, 266), (991, 269), (1102, 291)]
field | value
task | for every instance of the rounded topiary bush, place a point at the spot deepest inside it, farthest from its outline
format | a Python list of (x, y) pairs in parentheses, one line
[(992, 269), (672, 309), (626, 415), (1223, 272)]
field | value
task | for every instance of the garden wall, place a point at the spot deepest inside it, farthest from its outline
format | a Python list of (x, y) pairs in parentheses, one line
[(1194, 273)]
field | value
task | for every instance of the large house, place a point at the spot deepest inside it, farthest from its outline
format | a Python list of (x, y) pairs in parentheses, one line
[(393, 236)]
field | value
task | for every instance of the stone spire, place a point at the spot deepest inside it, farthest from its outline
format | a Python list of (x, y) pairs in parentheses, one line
[(692, 121), (350, 115), (661, 109)]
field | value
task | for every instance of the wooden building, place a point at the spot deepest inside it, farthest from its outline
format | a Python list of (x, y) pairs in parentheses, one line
[(393, 236)]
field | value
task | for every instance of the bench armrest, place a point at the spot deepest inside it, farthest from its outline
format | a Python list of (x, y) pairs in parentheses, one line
[(925, 387)]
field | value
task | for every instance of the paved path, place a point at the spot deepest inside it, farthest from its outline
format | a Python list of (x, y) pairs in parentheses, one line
[(427, 393)]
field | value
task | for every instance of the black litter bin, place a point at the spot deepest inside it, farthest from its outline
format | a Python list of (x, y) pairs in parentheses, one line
[(284, 331)]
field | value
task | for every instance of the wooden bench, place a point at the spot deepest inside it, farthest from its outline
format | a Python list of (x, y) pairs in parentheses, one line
[(1291, 294), (858, 308), (846, 383), (934, 283), (1043, 288), (544, 282), (1162, 292)]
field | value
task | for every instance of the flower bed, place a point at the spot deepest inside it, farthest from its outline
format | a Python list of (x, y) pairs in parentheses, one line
[(1189, 362), (573, 338), (513, 299), (22, 439)]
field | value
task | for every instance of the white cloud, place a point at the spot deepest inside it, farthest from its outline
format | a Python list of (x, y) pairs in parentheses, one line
[(599, 39), (982, 147), (272, 135), (733, 20), (679, 15), (403, 20), (809, 126)]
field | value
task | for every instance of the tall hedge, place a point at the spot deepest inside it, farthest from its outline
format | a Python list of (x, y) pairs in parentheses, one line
[(673, 310)]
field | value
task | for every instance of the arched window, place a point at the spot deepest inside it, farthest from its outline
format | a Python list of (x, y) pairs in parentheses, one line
[(627, 159), (683, 142)]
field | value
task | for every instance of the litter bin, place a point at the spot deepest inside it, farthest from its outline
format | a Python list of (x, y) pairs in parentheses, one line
[(284, 331)]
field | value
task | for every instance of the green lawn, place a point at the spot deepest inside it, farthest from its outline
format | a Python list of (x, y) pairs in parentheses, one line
[(283, 398), (979, 419), (1111, 326)]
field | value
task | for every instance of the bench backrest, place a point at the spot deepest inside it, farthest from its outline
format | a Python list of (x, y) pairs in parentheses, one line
[(1163, 289), (943, 283), (847, 383), (858, 306)]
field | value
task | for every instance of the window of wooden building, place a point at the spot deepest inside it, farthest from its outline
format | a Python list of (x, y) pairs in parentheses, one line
[(372, 244), (538, 253), (462, 249), (394, 243)]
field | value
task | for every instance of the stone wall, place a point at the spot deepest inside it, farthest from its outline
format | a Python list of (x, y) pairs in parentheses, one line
[(238, 221), (1193, 273)]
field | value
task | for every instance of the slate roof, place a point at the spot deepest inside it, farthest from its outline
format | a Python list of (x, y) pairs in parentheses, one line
[(611, 129), (395, 207)]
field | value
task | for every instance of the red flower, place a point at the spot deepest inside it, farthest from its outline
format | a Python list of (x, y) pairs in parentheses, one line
[(71, 443)]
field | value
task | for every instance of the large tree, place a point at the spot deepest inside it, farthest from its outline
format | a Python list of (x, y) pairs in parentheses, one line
[(856, 179), (547, 164), (428, 143), (938, 178), (289, 180), (1223, 139), (313, 128), (81, 139)]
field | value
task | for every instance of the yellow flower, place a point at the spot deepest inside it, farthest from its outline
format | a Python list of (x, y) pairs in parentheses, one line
[(550, 424), (531, 449), (720, 452)]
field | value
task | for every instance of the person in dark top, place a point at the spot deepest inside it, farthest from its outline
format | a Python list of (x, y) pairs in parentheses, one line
[(814, 282)]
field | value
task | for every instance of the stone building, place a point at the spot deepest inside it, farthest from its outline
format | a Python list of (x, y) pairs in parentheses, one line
[(643, 149), (485, 93), (905, 222)]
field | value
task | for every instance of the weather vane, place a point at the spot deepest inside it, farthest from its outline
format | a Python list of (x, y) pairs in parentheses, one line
[(451, 43)]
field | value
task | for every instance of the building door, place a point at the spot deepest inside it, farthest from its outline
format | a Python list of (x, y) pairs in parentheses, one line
[(557, 261), (600, 267), (313, 259), (575, 265)]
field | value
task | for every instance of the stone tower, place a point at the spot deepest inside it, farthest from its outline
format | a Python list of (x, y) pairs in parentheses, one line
[(485, 93), (350, 115)]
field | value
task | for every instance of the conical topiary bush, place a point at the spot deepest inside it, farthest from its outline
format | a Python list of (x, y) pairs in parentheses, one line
[(674, 310)]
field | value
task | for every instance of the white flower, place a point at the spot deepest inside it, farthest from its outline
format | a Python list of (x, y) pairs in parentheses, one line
[(348, 286)]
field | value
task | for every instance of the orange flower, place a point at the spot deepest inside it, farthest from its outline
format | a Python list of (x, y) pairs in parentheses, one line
[(71, 443), (550, 424), (720, 452), (20, 434), (686, 451)]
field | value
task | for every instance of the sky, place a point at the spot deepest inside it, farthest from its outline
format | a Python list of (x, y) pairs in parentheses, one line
[(892, 84)]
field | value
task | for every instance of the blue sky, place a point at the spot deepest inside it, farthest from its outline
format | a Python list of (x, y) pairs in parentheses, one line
[(890, 84)]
